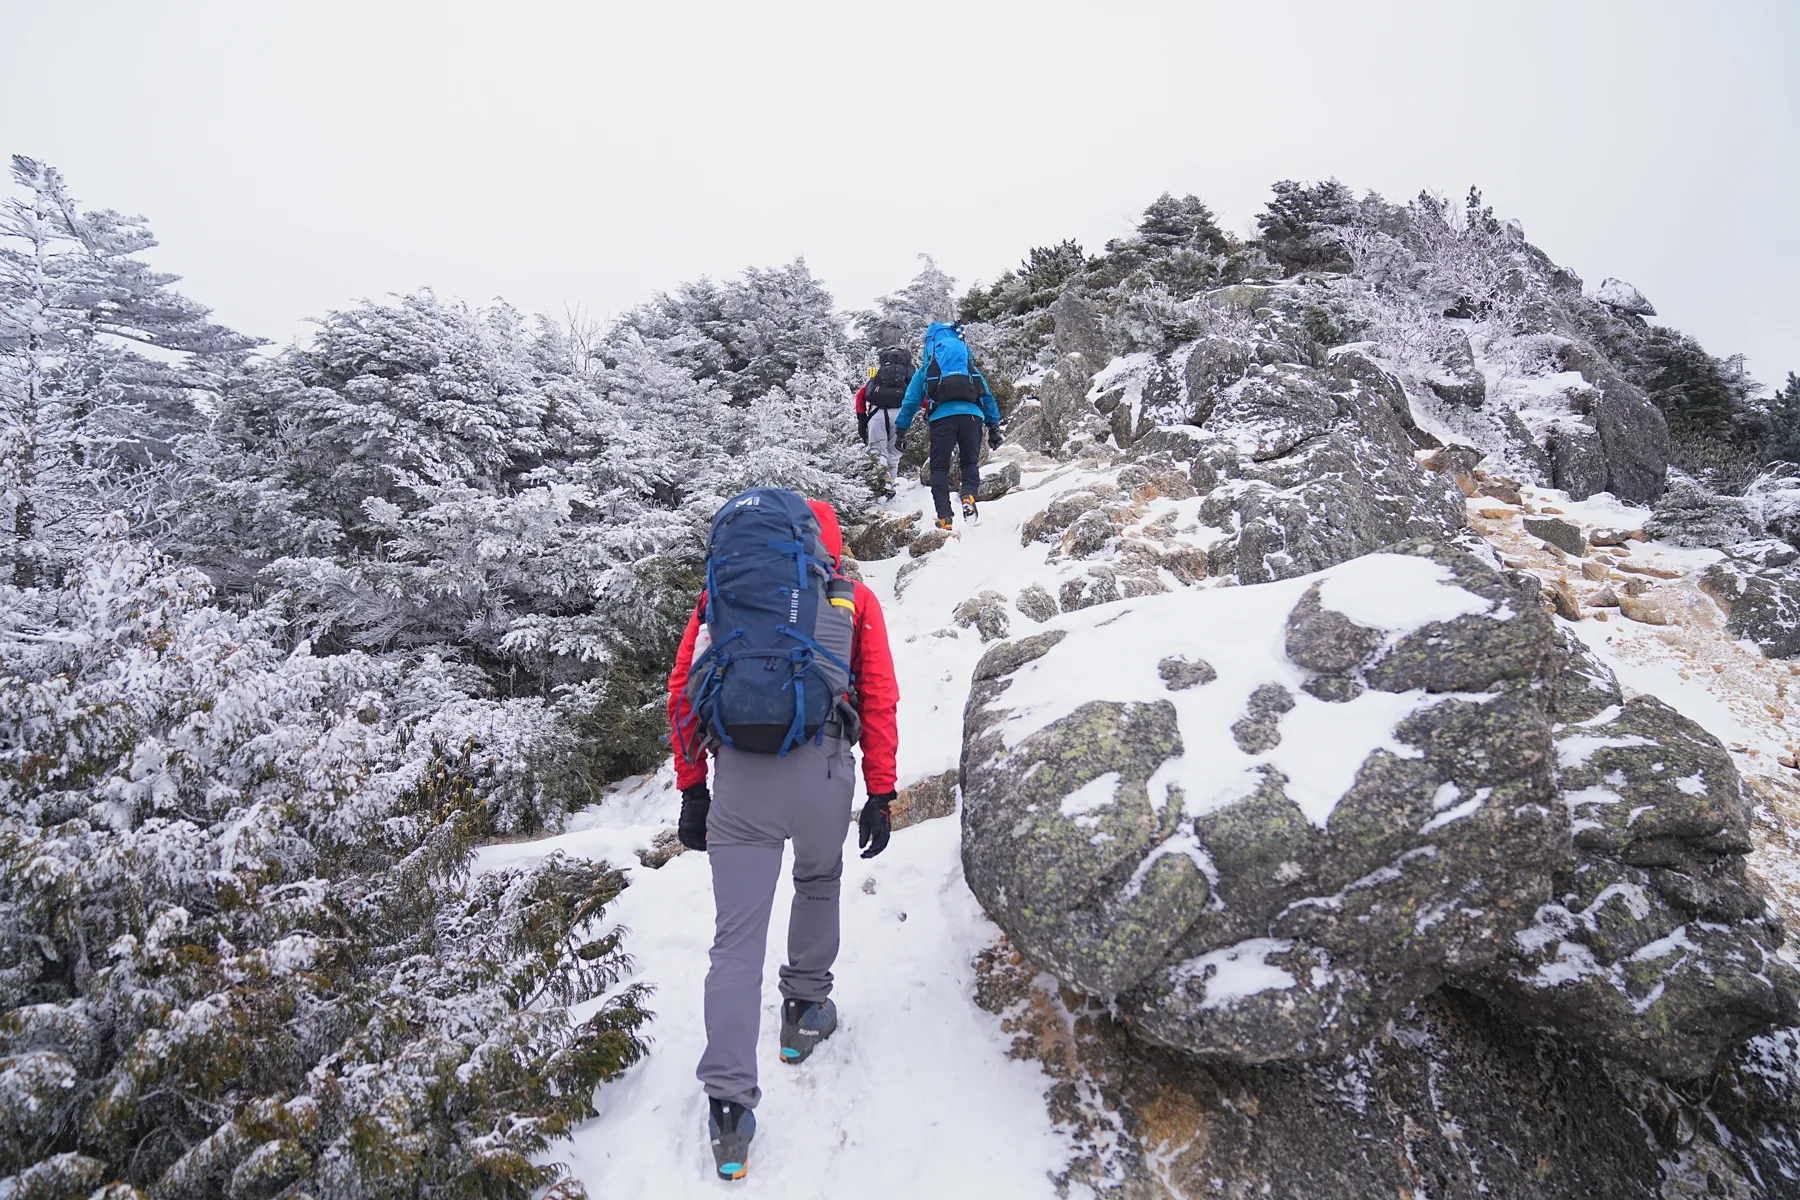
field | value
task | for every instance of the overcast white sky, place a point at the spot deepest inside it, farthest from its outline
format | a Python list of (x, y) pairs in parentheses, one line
[(293, 157)]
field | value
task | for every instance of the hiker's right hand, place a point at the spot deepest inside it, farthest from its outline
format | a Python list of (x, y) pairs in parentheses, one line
[(994, 438), (691, 829), (875, 825), (862, 427)]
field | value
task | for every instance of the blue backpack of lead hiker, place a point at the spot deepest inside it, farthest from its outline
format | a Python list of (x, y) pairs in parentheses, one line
[(950, 372), (771, 667)]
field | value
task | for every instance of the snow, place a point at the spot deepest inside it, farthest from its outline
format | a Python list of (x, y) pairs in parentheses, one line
[(1096, 793), (1240, 631), (1237, 972), (1457, 813), (1398, 593), (916, 1093), (914, 1063), (1575, 750)]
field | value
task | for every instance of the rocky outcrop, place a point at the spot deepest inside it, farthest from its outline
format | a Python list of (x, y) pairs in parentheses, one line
[(1457, 380), (1621, 431), (1654, 947), (1620, 296), (1454, 1102), (1501, 822), (1762, 603), (925, 800), (1301, 477), (986, 614)]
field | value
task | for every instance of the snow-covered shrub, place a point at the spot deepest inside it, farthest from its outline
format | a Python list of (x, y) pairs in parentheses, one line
[(1689, 514), (238, 948), (1773, 501)]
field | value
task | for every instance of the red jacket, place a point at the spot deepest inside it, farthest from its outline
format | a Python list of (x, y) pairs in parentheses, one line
[(862, 402), (871, 661)]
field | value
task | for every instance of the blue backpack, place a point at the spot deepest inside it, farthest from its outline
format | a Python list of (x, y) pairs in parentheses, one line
[(779, 622), (950, 372)]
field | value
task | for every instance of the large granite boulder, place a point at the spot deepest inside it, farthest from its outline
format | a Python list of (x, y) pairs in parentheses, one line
[(1428, 785), (1277, 895)]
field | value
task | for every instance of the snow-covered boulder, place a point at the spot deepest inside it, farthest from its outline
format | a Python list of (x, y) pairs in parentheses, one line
[(1251, 871), (1261, 821), (1762, 603), (1620, 296)]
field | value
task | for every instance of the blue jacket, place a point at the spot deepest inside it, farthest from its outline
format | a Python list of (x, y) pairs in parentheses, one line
[(987, 410)]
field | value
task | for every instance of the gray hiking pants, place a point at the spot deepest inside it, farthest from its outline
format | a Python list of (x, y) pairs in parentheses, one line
[(760, 801), (884, 439)]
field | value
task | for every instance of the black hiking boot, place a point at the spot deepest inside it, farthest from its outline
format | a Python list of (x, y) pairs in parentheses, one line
[(969, 513), (804, 1024), (730, 1126)]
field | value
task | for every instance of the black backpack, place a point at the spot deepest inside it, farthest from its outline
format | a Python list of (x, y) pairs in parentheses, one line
[(887, 389)]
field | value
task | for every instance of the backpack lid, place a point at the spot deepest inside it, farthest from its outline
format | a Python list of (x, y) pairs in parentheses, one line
[(945, 348)]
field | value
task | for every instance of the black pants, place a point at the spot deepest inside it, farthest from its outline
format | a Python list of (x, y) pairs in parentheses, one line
[(947, 434)]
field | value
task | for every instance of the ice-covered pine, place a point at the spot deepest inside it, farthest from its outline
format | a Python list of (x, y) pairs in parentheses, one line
[(1689, 514), (899, 319), (100, 364)]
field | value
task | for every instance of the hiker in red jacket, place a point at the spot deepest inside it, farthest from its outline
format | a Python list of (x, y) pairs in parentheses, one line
[(763, 800)]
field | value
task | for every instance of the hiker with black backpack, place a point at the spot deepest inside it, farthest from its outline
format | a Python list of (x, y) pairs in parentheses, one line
[(879, 400), (957, 403), (784, 667)]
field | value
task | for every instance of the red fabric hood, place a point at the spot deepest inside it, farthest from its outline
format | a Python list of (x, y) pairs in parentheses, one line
[(829, 532)]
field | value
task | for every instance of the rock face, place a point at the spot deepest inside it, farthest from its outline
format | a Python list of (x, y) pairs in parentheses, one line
[(1267, 864), (1620, 444), (1457, 1104), (1457, 381), (1302, 478), (1654, 947)]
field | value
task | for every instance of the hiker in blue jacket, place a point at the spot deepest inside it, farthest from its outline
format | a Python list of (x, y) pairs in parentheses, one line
[(957, 403)]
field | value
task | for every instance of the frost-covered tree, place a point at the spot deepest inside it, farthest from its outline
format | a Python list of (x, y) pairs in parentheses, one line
[(100, 361), (746, 335), (1177, 245), (899, 319), (1782, 443), (1034, 284)]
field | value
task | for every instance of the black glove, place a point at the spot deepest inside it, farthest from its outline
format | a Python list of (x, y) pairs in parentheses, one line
[(875, 825), (994, 438), (862, 427), (691, 829), (899, 438)]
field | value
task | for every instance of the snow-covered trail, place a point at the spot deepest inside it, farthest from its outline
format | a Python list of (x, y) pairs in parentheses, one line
[(915, 1095)]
